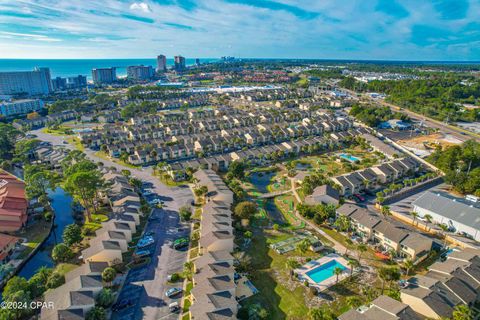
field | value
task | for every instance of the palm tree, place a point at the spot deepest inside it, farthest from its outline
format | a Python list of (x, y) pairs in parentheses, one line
[(462, 312), (244, 261), (362, 248), (386, 211), (444, 228), (429, 219), (408, 265), (392, 253), (349, 242), (353, 264), (337, 271), (414, 215), (354, 301), (303, 246), (388, 274), (291, 265)]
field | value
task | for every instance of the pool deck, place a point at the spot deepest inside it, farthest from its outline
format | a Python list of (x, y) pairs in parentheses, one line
[(302, 271)]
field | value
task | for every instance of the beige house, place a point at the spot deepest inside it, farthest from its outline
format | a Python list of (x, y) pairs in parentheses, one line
[(108, 251), (76, 296)]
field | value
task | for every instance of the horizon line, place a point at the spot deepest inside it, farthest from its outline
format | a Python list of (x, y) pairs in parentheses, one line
[(280, 59)]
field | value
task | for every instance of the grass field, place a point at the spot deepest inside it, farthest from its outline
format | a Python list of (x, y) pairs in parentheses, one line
[(269, 268)]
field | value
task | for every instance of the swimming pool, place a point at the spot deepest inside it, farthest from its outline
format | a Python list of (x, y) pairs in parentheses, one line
[(349, 157), (325, 271)]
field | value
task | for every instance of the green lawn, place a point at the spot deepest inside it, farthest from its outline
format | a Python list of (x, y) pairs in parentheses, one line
[(61, 131), (64, 268), (281, 301), (34, 234), (286, 205), (104, 156), (76, 142)]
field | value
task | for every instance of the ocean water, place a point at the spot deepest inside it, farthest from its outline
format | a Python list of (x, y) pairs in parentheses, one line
[(73, 67)]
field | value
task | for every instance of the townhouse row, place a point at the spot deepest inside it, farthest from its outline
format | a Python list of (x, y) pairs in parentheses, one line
[(28, 124), (112, 239), (262, 155), (214, 290), (174, 127), (386, 235), (77, 296), (144, 150), (371, 178), (434, 295), (447, 284)]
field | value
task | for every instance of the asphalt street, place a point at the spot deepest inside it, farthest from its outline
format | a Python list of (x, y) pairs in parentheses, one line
[(146, 286)]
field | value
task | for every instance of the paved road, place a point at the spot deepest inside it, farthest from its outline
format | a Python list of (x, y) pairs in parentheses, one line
[(147, 285)]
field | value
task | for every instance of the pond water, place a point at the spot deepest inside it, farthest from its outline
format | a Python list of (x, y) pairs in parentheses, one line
[(261, 180), (302, 166), (62, 206), (273, 212)]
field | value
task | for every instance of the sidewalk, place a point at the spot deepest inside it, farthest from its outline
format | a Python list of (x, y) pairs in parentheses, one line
[(340, 248)]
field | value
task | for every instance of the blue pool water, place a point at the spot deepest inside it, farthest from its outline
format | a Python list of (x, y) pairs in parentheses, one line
[(324, 271), (349, 157)]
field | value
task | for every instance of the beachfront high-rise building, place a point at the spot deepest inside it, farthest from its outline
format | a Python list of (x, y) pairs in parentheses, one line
[(161, 63), (36, 82), (76, 82), (104, 75), (197, 62), (59, 84), (179, 63), (140, 72)]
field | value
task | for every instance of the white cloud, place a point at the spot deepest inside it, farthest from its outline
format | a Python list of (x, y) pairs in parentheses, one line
[(141, 6), (216, 27), (37, 37)]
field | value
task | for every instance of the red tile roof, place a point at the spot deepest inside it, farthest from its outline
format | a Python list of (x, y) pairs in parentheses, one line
[(13, 202)]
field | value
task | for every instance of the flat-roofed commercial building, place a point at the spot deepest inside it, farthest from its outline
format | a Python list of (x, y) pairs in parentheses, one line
[(459, 214)]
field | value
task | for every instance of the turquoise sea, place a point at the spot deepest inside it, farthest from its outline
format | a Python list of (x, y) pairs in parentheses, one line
[(73, 67)]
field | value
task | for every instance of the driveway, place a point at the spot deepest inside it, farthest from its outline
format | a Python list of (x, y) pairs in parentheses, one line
[(147, 285)]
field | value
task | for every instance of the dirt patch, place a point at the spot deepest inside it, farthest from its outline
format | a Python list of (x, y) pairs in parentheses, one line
[(428, 143)]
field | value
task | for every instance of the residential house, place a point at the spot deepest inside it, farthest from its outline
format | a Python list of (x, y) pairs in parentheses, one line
[(325, 194)]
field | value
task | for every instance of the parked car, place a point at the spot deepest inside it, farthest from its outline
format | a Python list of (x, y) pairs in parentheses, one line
[(142, 253), (174, 307), (358, 197), (173, 292), (180, 243), (145, 242)]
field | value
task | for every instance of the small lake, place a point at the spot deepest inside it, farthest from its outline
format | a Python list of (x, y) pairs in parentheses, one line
[(273, 212), (302, 166), (62, 206), (261, 180)]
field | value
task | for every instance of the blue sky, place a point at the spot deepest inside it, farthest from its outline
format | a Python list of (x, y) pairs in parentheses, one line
[(330, 29)]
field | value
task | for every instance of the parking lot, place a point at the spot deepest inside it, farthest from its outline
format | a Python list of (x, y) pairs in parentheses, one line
[(146, 286)]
